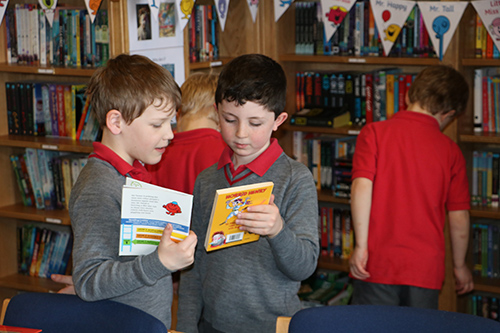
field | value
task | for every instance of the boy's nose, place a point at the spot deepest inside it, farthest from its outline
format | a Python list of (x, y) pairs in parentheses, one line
[(242, 131)]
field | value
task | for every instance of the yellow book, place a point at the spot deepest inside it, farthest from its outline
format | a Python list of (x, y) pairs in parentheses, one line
[(68, 111), (389, 95), (222, 229)]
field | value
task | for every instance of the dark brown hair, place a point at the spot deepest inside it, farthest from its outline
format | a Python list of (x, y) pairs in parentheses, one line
[(439, 89)]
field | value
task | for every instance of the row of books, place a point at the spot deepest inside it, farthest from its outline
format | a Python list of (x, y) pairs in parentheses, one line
[(486, 99), (486, 250), (485, 47), (50, 109), (203, 34), (485, 178), (45, 178), (485, 306), (72, 40), (367, 96), (325, 288), (43, 251), (357, 34), (329, 159), (336, 232)]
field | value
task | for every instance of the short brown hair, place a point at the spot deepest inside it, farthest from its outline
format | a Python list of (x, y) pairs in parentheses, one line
[(439, 89), (130, 84), (198, 97)]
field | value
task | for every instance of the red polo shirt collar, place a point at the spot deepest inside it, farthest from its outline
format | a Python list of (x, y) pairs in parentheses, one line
[(259, 166), (136, 171)]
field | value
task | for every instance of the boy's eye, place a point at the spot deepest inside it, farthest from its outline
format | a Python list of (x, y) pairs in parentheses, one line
[(229, 120), (157, 125), (255, 124)]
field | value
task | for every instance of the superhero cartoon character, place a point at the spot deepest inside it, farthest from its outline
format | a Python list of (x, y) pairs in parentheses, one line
[(172, 208), (236, 205)]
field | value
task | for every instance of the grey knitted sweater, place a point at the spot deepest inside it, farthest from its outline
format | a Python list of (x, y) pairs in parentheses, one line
[(98, 272), (246, 287)]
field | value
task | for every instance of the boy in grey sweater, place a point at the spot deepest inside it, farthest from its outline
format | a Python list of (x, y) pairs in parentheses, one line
[(134, 101), (245, 288)]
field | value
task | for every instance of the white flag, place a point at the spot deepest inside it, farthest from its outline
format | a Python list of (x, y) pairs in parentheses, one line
[(253, 5), (280, 6), (153, 7), (3, 8), (390, 16), (49, 9), (184, 10), (221, 6), (441, 20), (489, 12), (334, 12)]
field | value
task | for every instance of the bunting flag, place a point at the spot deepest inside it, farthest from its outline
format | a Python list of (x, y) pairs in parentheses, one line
[(49, 7), (280, 6), (221, 6), (184, 10), (3, 8), (489, 12), (441, 20), (153, 8), (334, 12), (390, 16), (253, 5), (92, 8)]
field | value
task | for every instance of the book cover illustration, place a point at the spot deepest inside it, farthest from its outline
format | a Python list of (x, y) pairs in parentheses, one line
[(146, 210), (222, 230)]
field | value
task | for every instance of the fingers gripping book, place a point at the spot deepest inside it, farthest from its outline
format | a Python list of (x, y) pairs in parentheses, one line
[(222, 230)]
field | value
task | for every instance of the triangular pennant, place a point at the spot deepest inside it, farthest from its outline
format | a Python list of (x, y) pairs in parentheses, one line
[(92, 8), (3, 8), (441, 20), (280, 6), (49, 10), (153, 7), (334, 12), (222, 6), (184, 10), (390, 16), (489, 12), (253, 5)]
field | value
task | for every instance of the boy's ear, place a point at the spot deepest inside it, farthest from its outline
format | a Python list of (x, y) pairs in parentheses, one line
[(114, 121), (280, 120)]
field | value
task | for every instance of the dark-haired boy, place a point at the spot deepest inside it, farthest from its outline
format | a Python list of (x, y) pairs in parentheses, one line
[(245, 288), (406, 175)]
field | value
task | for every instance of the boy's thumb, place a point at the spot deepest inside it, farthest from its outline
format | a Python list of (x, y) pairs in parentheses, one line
[(167, 232)]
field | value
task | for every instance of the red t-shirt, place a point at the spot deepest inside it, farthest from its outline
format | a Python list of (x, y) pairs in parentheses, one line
[(188, 154), (417, 173)]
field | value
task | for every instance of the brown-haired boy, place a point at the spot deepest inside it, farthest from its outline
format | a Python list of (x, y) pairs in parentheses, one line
[(406, 175), (134, 100)]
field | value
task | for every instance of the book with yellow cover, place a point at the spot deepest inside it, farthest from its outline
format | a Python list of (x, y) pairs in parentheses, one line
[(222, 229)]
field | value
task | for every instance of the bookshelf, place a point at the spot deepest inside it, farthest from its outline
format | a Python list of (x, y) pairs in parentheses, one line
[(284, 51), (470, 141)]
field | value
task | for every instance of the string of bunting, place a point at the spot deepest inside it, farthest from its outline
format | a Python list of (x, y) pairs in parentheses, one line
[(440, 18)]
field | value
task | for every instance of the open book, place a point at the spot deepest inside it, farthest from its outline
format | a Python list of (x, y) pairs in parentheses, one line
[(222, 230), (146, 210)]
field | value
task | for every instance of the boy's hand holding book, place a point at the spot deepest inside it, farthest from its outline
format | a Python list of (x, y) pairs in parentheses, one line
[(264, 220), (176, 255)]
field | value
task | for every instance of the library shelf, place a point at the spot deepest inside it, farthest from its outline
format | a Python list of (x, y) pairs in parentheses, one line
[(19, 211), (48, 143), (389, 61), (29, 283), (46, 70), (333, 263)]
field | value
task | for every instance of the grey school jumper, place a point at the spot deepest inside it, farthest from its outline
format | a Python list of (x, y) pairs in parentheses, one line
[(98, 272), (245, 288)]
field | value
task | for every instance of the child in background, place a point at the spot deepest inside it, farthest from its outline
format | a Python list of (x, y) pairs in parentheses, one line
[(134, 100), (245, 288), (406, 175), (197, 144)]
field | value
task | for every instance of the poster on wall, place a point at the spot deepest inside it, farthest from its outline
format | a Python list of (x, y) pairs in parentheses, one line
[(148, 33), (171, 58)]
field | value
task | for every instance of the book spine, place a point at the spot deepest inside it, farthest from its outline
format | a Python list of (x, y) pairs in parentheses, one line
[(60, 110)]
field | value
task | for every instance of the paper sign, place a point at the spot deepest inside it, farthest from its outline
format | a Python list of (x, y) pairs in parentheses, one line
[(280, 6), (49, 6), (334, 12), (221, 6), (184, 10), (441, 20), (489, 12), (253, 5)]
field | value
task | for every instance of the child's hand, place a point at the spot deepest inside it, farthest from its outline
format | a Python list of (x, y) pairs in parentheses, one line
[(175, 256), (264, 220), (66, 279), (357, 263)]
